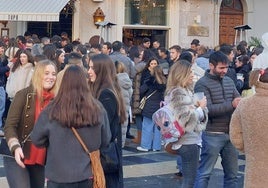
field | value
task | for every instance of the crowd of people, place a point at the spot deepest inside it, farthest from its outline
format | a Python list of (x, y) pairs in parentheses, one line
[(49, 85)]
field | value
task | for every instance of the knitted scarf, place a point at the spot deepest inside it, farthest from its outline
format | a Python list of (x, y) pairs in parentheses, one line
[(38, 155)]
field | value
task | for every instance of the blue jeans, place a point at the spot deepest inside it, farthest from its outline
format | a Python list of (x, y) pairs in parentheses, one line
[(213, 145), (150, 135), (30, 177), (2, 104), (138, 121), (190, 157), (179, 163), (82, 184)]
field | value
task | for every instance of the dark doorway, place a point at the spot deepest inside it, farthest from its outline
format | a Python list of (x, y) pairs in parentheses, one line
[(48, 29), (136, 36)]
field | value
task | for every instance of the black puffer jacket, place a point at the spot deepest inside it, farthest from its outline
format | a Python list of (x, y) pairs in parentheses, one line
[(220, 93), (245, 70)]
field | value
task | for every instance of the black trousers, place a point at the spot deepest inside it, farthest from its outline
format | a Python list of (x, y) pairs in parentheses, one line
[(82, 184)]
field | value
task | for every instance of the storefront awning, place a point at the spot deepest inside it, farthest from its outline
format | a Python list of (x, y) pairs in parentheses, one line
[(31, 10)]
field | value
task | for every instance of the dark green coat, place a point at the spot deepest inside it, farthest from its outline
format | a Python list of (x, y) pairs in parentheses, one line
[(21, 116)]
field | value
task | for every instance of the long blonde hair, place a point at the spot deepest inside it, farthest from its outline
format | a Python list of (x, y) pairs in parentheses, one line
[(120, 67), (178, 75), (38, 76)]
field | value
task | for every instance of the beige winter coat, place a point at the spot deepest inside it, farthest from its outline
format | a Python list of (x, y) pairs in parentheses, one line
[(249, 133), (19, 79)]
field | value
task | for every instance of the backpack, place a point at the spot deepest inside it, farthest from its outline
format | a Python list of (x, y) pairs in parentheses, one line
[(167, 124)]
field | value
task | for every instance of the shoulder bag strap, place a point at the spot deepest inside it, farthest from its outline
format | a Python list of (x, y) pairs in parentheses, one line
[(98, 174), (26, 138), (80, 140), (151, 94)]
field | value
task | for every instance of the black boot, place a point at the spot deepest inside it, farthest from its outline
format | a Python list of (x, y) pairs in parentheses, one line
[(128, 135)]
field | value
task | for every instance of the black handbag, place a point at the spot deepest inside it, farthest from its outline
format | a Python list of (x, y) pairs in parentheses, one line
[(110, 158), (144, 99)]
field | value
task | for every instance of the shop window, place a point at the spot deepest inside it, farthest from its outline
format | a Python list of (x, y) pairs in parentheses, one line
[(146, 12)]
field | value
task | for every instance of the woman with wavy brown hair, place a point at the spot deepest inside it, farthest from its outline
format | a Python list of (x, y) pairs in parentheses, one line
[(20, 73), (104, 86), (154, 85)]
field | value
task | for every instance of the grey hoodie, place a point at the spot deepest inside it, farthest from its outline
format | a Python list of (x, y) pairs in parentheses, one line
[(126, 88)]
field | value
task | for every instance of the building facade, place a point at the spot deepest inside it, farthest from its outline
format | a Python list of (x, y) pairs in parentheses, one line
[(169, 21)]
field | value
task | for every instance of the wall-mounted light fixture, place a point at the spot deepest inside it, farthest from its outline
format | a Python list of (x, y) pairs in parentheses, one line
[(4, 23), (98, 16)]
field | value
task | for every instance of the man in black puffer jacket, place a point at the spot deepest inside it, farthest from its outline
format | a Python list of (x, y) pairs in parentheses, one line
[(222, 98)]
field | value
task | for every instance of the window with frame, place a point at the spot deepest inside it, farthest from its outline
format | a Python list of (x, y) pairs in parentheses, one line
[(146, 12)]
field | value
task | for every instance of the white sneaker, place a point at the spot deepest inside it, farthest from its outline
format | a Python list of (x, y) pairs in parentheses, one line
[(2, 133), (139, 148)]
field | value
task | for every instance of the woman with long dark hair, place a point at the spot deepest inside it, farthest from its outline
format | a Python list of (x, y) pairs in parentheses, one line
[(67, 164), (153, 84), (20, 74), (59, 59), (104, 86)]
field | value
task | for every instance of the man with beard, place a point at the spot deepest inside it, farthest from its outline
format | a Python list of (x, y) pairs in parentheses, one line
[(222, 98)]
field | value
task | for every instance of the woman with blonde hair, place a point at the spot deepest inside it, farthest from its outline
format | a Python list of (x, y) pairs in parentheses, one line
[(248, 130), (26, 169), (191, 116), (104, 87)]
